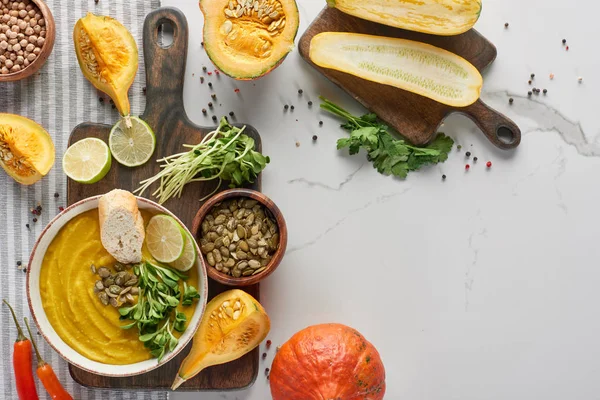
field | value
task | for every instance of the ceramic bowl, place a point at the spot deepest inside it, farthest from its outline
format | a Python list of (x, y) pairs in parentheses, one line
[(45, 51), (48, 332), (275, 213)]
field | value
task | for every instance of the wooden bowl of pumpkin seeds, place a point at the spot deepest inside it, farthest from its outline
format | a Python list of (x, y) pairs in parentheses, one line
[(242, 236)]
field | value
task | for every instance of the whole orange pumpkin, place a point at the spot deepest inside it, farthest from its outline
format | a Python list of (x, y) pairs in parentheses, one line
[(327, 362)]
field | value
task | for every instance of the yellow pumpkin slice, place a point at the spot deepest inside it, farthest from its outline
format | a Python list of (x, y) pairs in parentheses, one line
[(108, 56), (414, 66), (437, 17), (26, 149), (246, 39), (233, 324)]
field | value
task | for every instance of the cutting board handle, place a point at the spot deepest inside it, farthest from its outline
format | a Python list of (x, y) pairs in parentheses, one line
[(165, 65), (498, 128)]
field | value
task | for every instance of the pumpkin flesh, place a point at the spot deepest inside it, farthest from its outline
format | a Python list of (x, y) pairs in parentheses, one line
[(437, 17), (247, 39), (108, 56), (26, 149), (329, 361)]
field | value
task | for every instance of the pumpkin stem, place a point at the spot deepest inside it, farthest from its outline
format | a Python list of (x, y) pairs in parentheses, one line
[(177, 382)]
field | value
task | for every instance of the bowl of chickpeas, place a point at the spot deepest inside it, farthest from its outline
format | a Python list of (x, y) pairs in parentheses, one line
[(27, 33)]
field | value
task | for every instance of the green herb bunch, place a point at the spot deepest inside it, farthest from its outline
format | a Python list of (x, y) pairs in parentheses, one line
[(155, 313), (224, 154), (390, 156)]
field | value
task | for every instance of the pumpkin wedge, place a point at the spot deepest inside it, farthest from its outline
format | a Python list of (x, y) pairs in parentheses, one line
[(414, 66), (233, 324), (26, 149), (437, 17), (246, 39), (108, 57)]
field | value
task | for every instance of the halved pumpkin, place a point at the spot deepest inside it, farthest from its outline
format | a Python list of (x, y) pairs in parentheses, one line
[(26, 149), (108, 56), (233, 324), (437, 17), (246, 39)]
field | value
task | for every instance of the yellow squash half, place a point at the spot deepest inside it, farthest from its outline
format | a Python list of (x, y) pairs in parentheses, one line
[(26, 149), (437, 17), (108, 56), (246, 39), (414, 66), (233, 324)]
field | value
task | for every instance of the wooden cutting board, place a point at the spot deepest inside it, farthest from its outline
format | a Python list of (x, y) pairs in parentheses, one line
[(416, 117), (164, 112)]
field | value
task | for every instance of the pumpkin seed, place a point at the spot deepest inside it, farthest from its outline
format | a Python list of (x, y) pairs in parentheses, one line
[(229, 263), (108, 281), (247, 272), (254, 264), (207, 248), (236, 273), (114, 289), (103, 272), (243, 245), (258, 271), (113, 302), (103, 298), (134, 290), (99, 286), (211, 259), (130, 298), (241, 255), (93, 268), (119, 267)]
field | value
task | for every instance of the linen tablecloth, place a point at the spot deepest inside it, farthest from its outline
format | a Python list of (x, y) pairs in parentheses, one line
[(58, 97)]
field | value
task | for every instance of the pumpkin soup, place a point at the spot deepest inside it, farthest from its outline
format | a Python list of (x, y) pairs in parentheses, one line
[(74, 309)]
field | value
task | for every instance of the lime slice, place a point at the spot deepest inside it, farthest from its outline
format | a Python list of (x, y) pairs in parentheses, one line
[(165, 238), (133, 146), (87, 161), (188, 257)]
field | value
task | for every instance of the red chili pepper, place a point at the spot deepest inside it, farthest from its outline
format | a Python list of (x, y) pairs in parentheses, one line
[(22, 364), (47, 375)]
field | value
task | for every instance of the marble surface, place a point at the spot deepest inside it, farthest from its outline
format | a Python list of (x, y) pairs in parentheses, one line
[(484, 286)]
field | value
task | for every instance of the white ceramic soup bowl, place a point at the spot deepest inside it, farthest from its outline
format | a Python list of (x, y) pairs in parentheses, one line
[(35, 300)]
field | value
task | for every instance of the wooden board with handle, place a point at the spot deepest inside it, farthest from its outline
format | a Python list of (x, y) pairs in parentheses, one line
[(165, 69), (416, 117)]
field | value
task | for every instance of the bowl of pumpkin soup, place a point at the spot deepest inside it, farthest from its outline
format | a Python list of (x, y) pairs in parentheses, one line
[(91, 308)]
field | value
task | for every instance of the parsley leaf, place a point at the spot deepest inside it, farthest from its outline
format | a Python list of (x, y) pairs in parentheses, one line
[(390, 156)]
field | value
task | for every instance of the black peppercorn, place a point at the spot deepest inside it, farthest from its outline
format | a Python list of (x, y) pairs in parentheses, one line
[(201, 79), (101, 99), (144, 89), (444, 177), (459, 147), (529, 93), (231, 114), (286, 107), (35, 220), (214, 96), (27, 226), (315, 137), (204, 111), (310, 103), (214, 117), (532, 76), (510, 101), (506, 24), (300, 91), (56, 195), (202, 44), (474, 159), (210, 104), (19, 263), (564, 41), (529, 81), (292, 108), (320, 123), (204, 69), (468, 154), (209, 84), (96, 1), (545, 91)]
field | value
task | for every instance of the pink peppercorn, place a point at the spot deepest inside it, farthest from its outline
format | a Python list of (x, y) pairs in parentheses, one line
[(467, 167), (489, 164)]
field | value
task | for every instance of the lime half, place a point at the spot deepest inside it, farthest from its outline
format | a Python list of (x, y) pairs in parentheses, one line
[(87, 161), (165, 238), (188, 258), (133, 146)]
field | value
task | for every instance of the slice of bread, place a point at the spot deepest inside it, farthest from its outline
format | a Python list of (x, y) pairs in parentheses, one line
[(121, 226)]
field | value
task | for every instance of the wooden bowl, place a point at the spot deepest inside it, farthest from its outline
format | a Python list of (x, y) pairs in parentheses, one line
[(46, 49), (275, 213)]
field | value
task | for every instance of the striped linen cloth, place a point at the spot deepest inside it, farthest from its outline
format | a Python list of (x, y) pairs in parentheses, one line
[(58, 97)]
